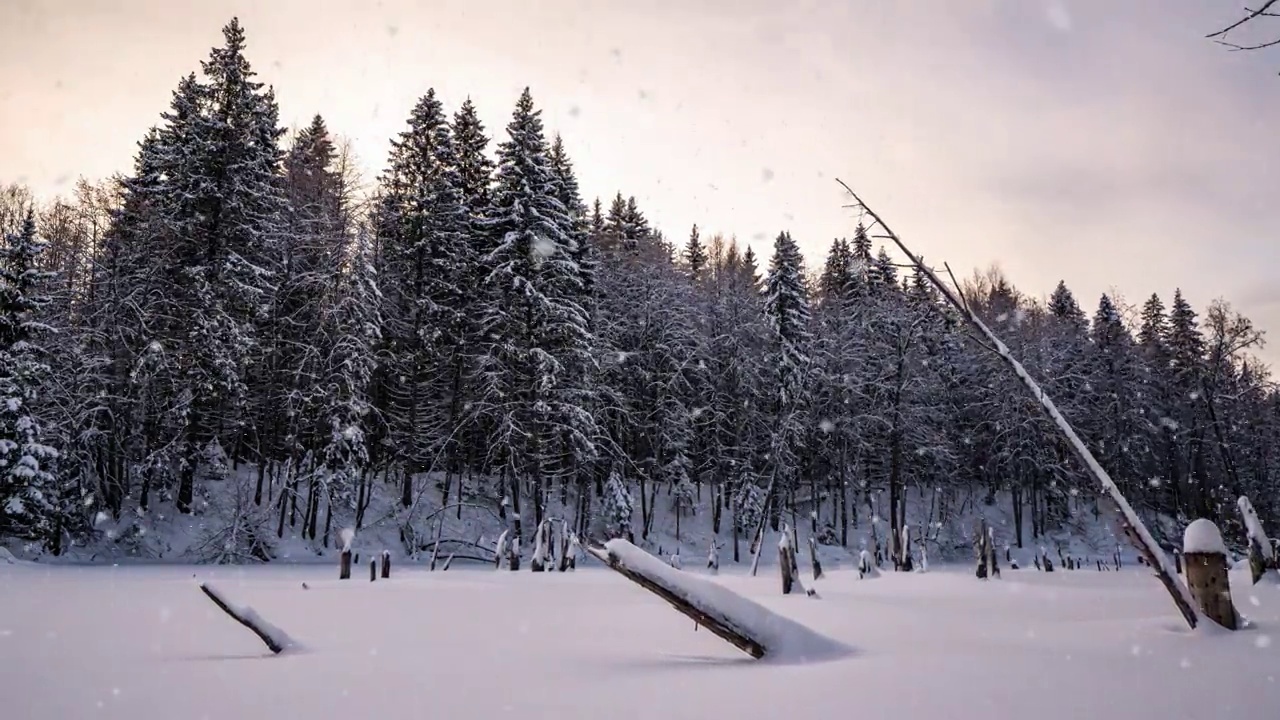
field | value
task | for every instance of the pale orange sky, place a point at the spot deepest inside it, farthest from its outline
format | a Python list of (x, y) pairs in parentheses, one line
[(1101, 141)]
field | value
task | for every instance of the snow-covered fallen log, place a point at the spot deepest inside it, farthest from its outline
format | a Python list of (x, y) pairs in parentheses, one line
[(275, 638), (750, 627)]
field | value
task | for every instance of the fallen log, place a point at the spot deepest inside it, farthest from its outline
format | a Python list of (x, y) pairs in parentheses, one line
[(742, 623), (276, 639)]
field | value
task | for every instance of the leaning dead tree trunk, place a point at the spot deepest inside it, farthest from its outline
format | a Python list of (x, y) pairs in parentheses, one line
[(789, 567), (1262, 557), (691, 605), (1206, 557), (1137, 531), (764, 518), (813, 559), (275, 638), (981, 540)]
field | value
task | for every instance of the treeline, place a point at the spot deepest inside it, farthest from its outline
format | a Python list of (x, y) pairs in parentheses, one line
[(472, 328)]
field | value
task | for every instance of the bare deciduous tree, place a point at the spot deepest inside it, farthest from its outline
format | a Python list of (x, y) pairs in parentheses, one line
[(1251, 21)]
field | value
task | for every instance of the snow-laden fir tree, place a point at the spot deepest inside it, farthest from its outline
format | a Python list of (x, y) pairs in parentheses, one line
[(218, 213), (29, 493), (533, 327), (424, 235), (616, 507), (787, 317)]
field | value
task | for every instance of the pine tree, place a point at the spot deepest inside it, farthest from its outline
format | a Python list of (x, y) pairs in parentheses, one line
[(29, 494), (533, 325), (219, 210), (424, 237), (475, 169), (695, 256)]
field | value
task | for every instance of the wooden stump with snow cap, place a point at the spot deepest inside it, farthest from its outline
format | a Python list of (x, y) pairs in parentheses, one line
[(1205, 557)]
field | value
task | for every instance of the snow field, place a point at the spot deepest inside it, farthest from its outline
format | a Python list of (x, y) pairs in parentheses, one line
[(144, 643)]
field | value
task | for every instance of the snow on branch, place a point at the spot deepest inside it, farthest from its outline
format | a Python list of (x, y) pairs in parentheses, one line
[(746, 625), (275, 638), (1133, 525)]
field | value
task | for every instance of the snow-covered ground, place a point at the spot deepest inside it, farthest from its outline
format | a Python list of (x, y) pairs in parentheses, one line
[(143, 642)]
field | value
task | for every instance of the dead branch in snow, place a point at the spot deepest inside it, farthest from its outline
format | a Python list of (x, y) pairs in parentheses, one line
[(274, 638)]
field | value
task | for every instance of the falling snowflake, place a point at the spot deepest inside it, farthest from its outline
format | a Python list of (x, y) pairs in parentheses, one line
[(1263, 641), (542, 248), (826, 426)]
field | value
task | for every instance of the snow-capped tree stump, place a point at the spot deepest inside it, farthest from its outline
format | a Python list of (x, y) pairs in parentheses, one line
[(788, 566), (813, 559), (568, 558), (866, 566), (1206, 561), (541, 539), (500, 550), (513, 555), (275, 639), (386, 564), (347, 536), (980, 541), (713, 557), (784, 564), (691, 605)]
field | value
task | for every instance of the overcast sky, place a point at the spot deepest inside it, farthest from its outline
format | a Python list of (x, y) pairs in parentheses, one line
[(1104, 142)]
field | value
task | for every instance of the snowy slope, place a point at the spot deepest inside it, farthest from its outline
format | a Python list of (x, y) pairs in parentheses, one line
[(143, 643), (162, 535)]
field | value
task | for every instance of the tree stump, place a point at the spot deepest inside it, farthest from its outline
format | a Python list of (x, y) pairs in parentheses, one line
[(344, 565), (813, 559), (373, 570), (386, 563), (784, 565), (1205, 557)]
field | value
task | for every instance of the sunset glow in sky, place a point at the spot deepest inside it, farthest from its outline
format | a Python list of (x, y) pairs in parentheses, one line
[(1107, 143)]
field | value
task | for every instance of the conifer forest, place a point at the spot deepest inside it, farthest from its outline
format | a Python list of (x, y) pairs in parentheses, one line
[(241, 327)]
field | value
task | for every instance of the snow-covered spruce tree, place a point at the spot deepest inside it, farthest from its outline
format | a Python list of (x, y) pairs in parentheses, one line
[(787, 317), (285, 377), (218, 212), (736, 420), (350, 325), (695, 256), (29, 495), (650, 367), (1113, 424), (475, 181), (585, 373), (1186, 346), (534, 329), (617, 507), (424, 238)]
